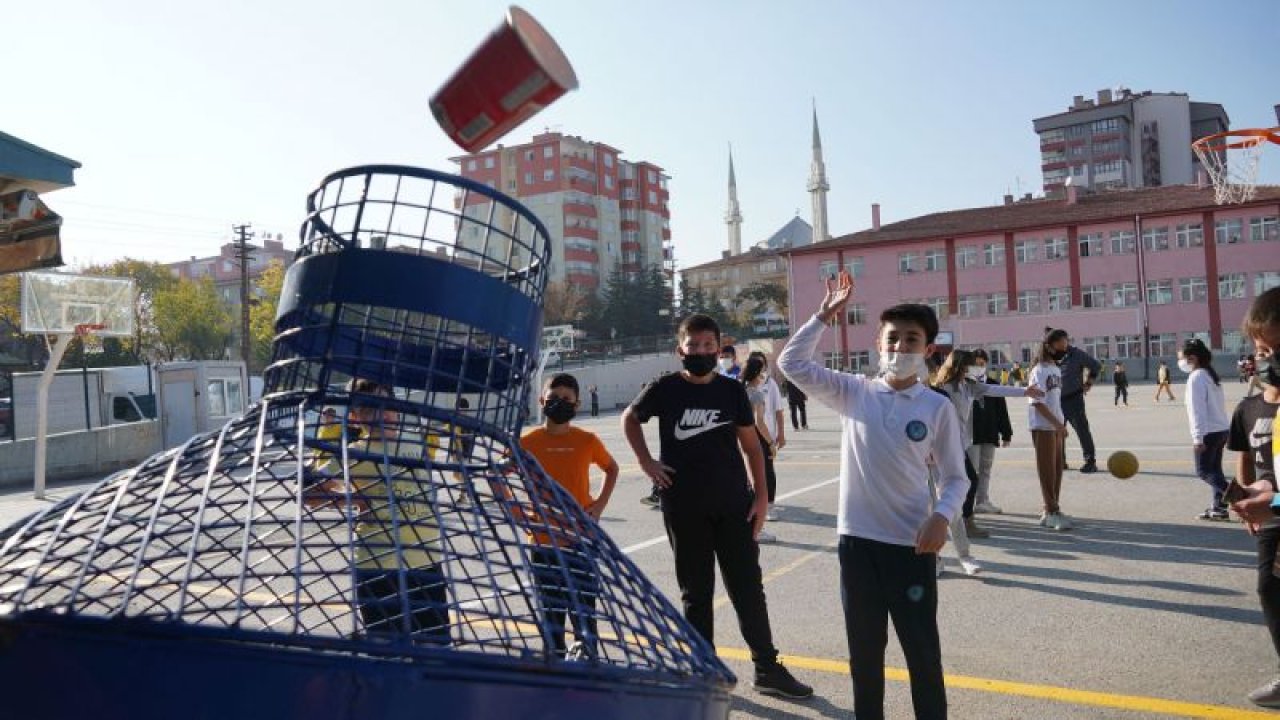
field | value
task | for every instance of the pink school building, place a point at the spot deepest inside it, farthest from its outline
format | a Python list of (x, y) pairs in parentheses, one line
[(1129, 274)]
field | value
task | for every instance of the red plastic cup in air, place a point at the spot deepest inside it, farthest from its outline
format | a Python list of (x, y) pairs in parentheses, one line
[(518, 70)]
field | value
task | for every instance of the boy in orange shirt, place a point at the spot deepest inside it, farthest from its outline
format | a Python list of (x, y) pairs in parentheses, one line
[(567, 453)]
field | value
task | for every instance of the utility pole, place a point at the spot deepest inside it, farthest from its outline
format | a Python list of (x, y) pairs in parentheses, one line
[(243, 257)]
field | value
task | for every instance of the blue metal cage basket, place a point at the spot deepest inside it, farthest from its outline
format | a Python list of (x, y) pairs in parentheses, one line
[(369, 540)]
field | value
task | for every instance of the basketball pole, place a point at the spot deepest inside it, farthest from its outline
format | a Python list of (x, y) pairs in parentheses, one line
[(61, 342)]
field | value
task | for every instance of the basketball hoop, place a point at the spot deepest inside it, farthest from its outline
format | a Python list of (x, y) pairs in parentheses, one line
[(1231, 160), (85, 328)]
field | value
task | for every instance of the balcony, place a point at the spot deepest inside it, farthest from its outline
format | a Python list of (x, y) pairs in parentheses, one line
[(581, 231), (581, 255)]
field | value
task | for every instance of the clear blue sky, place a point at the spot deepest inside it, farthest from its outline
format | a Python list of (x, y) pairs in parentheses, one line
[(189, 117)]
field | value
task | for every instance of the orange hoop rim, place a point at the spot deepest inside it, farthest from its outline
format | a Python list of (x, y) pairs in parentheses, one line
[(1251, 137), (85, 328)]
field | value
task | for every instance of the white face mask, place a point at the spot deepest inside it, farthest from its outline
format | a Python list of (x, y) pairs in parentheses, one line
[(726, 363), (1185, 365), (900, 366), (978, 372)]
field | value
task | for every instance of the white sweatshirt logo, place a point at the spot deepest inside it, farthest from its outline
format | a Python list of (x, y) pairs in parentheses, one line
[(696, 421)]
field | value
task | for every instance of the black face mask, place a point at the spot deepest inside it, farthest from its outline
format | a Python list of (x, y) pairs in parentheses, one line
[(558, 410), (1057, 355), (700, 365)]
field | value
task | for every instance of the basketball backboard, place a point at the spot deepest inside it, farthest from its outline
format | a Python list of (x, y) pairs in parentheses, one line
[(55, 303)]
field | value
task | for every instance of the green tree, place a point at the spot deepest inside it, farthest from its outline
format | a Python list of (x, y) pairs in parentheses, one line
[(760, 297), (262, 314), (150, 278), (636, 305), (192, 322), (694, 300)]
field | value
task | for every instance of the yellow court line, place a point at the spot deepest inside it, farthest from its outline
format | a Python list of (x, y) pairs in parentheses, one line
[(1134, 703), (803, 559)]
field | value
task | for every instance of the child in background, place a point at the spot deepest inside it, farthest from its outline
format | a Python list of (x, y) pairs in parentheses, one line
[(1207, 416), (991, 429), (754, 379), (567, 453), (1049, 431), (1122, 383), (891, 525), (1162, 381)]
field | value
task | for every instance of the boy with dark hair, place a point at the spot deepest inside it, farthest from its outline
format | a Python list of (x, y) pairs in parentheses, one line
[(567, 453), (705, 425), (890, 526), (728, 365)]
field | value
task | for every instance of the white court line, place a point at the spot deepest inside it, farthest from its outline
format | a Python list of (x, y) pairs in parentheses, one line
[(785, 496)]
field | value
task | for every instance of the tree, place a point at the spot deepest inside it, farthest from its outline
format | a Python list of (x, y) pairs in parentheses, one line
[(636, 304), (694, 300), (762, 296), (564, 304), (192, 322), (262, 314)]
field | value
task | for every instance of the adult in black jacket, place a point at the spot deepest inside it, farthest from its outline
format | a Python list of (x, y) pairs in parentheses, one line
[(795, 400), (991, 429)]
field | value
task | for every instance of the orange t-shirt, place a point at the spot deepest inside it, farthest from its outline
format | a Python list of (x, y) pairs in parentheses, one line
[(568, 458)]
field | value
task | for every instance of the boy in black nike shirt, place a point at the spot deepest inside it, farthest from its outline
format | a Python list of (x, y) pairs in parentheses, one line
[(705, 424)]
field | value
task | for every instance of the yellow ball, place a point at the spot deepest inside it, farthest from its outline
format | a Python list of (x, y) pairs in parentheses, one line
[(1123, 464)]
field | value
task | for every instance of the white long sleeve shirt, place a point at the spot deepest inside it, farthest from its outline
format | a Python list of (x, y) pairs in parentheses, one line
[(1206, 406), (886, 438)]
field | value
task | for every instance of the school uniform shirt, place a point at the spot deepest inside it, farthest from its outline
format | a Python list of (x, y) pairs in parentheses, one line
[(772, 404), (886, 439), (698, 438), (1206, 405), (1048, 378), (1252, 432)]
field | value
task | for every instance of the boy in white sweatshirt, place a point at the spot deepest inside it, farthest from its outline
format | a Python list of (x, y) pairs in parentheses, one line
[(890, 527)]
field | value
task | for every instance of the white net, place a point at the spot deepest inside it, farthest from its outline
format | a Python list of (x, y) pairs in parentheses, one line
[(1231, 160)]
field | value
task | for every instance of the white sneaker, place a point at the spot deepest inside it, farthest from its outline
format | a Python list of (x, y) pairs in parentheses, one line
[(987, 508), (766, 537), (971, 567), (940, 566), (1044, 519), (1058, 521), (771, 515)]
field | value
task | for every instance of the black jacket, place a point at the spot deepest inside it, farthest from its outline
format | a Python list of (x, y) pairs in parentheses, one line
[(991, 420)]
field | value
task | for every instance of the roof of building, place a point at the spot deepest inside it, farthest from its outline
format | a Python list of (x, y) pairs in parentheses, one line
[(794, 234), (1028, 215), (24, 166)]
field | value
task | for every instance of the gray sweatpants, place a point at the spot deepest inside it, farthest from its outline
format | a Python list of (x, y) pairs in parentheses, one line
[(982, 457)]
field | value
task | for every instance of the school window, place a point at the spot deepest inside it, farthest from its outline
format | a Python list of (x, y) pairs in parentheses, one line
[(1128, 346), (653, 177), (1189, 235), (859, 361), (1055, 248), (1192, 289), (1099, 347), (1024, 251), (1233, 342), (1155, 239), (1264, 229), (827, 269), (1093, 296), (1121, 242), (1059, 299), (969, 305), (608, 160), (935, 260), (906, 262), (608, 182), (1108, 167), (1164, 345), (653, 197), (856, 314), (854, 267), (488, 163), (1124, 294), (768, 266), (471, 165), (1028, 301), (833, 360), (511, 185), (1226, 232), (1106, 126), (1090, 244), (993, 254), (528, 178), (1231, 286), (1159, 292), (1264, 281), (940, 306), (548, 175), (966, 257), (548, 151), (998, 304)]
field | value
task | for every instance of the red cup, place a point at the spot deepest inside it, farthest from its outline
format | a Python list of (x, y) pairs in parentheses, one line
[(517, 71)]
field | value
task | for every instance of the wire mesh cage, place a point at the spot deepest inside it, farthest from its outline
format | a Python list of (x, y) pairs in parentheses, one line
[(369, 538)]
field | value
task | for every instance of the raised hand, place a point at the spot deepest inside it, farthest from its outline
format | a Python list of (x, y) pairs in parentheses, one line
[(839, 290)]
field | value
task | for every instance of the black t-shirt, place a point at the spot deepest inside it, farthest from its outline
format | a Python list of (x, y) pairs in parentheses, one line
[(1251, 433), (698, 436)]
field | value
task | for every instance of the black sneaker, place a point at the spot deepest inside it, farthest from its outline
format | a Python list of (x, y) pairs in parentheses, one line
[(1089, 467), (779, 681), (651, 500)]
